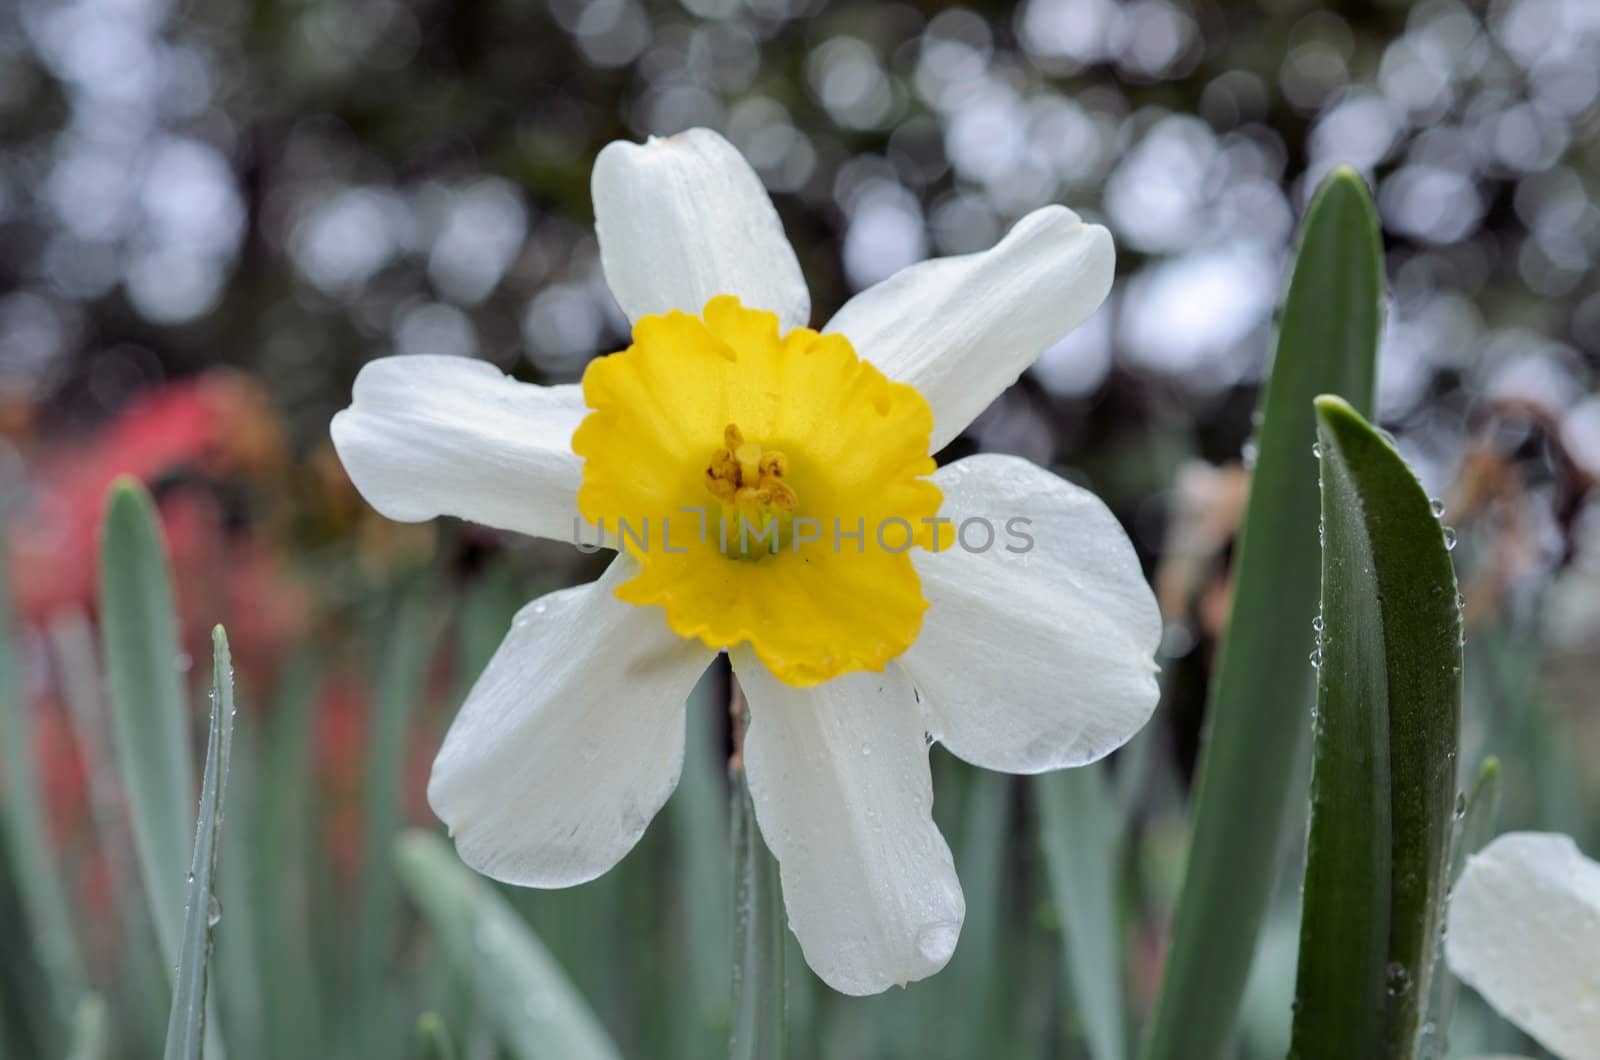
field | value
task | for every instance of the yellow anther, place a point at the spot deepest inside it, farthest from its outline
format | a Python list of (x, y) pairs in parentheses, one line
[(752, 497), (784, 497), (723, 489), (749, 477)]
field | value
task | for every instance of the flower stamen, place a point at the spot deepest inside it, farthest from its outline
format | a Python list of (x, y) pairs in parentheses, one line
[(750, 478)]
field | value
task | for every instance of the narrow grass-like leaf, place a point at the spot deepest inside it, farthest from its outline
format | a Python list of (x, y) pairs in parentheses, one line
[(186, 1026), (433, 1039), (149, 711), (1476, 827), (283, 848), (1257, 719), (1383, 787), (142, 1006), (535, 1009), (1078, 832), (760, 992), (698, 815), (408, 641), (45, 896), (965, 1018), (91, 1030), (239, 990)]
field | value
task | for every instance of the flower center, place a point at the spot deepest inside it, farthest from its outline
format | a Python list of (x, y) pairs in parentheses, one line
[(830, 586), (748, 479)]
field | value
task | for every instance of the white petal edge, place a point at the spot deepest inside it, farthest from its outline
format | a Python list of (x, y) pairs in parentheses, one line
[(682, 219), (842, 791), (426, 436), (571, 740), (963, 329), (1524, 931), (1038, 659)]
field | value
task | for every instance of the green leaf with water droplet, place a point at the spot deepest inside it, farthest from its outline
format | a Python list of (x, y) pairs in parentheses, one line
[(186, 1024), (1475, 828), (535, 1010), (1383, 794), (1256, 730)]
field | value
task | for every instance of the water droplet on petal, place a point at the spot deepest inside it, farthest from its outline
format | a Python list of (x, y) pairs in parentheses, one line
[(1316, 450), (1449, 538), (1316, 623), (1437, 507)]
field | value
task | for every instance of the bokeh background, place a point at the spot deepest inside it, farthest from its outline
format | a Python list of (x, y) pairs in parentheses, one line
[(213, 213)]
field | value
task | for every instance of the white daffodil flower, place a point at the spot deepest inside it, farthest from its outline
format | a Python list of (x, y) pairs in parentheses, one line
[(1524, 931), (773, 494)]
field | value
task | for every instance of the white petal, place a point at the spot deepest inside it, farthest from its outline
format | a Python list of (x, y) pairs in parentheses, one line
[(1036, 659), (682, 219), (1524, 931), (430, 436), (963, 329), (839, 777), (570, 741)]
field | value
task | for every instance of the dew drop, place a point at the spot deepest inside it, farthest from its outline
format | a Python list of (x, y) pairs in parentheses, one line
[(1449, 538), (1316, 623), (1461, 805), (1316, 450), (1316, 658), (1437, 507)]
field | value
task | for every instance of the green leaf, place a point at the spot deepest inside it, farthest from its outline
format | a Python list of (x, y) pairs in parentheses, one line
[(760, 1011), (698, 816), (242, 878), (1257, 719), (1078, 832), (186, 1026), (142, 1009), (149, 711), (283, 846), (519, 986), (91, 1030), (409, 637), (433, 1040), (43, 890), (1383, 786), (965, 1010), (1476, 827)]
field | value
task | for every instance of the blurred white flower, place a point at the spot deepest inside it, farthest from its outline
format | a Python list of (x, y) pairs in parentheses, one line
[(1019, 659), (1524, 931)]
